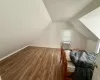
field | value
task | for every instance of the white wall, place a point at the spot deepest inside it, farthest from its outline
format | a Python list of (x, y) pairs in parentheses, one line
[(20, 22), (92, 21), (91, 46), (51, 36), (96, 74), (78, 40), (83, 29)]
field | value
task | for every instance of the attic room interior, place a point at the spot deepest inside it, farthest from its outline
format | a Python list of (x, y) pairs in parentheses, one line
[(49, 39)]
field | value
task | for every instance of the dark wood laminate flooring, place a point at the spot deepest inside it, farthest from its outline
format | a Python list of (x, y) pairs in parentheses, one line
[(32, 63)]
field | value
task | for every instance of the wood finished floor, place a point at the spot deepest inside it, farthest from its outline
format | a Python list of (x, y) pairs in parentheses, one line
[(32, 63)]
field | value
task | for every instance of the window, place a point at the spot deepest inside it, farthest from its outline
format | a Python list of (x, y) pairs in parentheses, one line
[(66, 35)]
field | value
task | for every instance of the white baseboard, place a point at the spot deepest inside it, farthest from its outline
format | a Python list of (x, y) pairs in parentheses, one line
[(13, 52), (44, 46)]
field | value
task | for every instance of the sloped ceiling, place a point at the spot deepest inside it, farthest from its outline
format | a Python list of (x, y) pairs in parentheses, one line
[(90, 7), (92, 21), (83, 30), (71, 11), (79, 25), (64, 9)]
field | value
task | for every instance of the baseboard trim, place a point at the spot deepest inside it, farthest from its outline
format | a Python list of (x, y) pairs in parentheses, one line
[(45, 47), (13, 52)]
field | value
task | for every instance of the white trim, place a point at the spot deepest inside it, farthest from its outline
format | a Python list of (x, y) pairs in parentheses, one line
[(98, 47), (44, 46), (13, 52)]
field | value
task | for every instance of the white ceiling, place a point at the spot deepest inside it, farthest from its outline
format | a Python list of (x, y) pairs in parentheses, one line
[(71, 11), (64, 9), (92, 21), (83, 30), (79, 25)]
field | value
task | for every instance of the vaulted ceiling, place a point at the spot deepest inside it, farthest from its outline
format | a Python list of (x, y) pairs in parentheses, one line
[(64, 9), (71, 11)]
